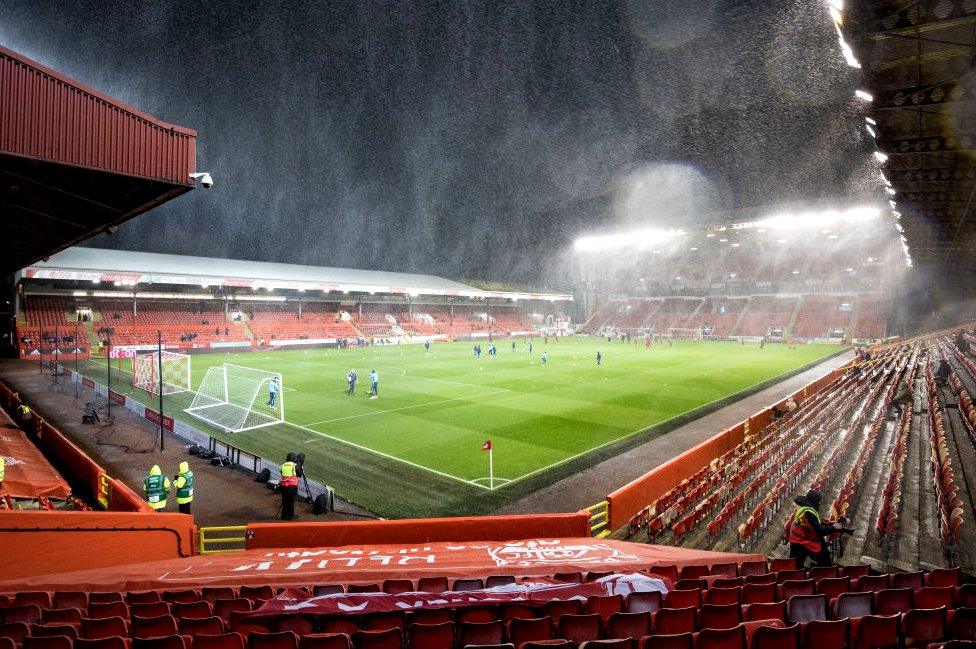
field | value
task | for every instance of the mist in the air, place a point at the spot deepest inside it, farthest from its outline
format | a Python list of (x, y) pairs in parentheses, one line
[(467, 139)]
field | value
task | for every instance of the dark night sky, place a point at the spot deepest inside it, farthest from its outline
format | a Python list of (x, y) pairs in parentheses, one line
[(469, 138)]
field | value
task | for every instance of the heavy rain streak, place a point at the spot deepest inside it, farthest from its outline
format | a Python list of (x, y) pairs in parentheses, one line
[(472, 139)]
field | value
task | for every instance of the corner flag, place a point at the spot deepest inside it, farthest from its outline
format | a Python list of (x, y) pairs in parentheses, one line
[(491, 465), (486, 446)]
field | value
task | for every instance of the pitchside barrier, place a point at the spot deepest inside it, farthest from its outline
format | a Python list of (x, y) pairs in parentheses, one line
[(628, 501)]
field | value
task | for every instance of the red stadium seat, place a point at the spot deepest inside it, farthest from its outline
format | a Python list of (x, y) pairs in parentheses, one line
[(764, 611), (871, 583), (933, 597), (327, 589), (579, 628), (61, 616), (113, 642), (383, 621), (363, 588), (716, 595), (683, 598), (691, 584), (668, 641), (213, 593), (855, 572), (70, 599), (480, 633), (153, 627), (719, 616), (597, 574), (748, 568), (509, 611), (51, 630), (892, 600), (920, 626), (556, 608), (164, 642), (966, 596), (693, 572), (943, 577), (463, 585), (397, 586), (724, 569), (732, 638), (629, 625), (230, 640), (906, 579), (791, 575), (198, 608), (104, 597), (754, 593), (617, 643), (432, 585), (278, 640), (775, 565), (727, 582), (338, 624), (875, 631), (818, 634), (646, 602), (105, 627), (604, 605), (7, 643), (664, 572), (325, 641), (569, 577), (143, 597), (388, 639), (150, 609), (257, 593), (483, 613), (521, 630), (16, 631), (771, 637), (429, 616), (791, 587), (26, 613), (200, 626), (853, 605), (833, 586), (40, 598), (670, 621), (430, 636), (822, 572), (962, 624), (222, 608), (545, 644), (806, 608), (768, 578), (180, 596), (109, 609), (494, 581)]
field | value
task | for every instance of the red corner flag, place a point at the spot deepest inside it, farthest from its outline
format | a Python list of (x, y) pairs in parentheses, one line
[(487, 446)]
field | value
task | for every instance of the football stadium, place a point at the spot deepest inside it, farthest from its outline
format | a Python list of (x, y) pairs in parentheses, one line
[(595, 325)]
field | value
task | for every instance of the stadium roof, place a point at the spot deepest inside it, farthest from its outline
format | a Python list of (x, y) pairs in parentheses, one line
[(74, 161), (124, 268), (916, 58)]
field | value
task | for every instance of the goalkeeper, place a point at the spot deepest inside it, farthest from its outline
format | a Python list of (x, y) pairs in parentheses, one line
[(273, 388)]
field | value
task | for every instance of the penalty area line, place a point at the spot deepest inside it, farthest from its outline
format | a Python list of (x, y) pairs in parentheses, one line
[(387, 456), (416, 405)]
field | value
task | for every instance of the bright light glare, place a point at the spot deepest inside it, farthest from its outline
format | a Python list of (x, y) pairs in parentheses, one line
[(845, 48), (871, 130), (836, 4), (890, 190), (836, 16), (863, 94), (880, 157), (635, 239), (884, 178), (870, 121), (818, 220)]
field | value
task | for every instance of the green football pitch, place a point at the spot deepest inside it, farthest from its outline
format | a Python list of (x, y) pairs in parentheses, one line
[(417, 449)]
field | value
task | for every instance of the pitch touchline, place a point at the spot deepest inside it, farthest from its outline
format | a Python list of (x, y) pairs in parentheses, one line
[(416, 405)]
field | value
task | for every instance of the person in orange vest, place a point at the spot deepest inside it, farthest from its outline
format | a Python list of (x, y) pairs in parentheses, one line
[(805, 532)]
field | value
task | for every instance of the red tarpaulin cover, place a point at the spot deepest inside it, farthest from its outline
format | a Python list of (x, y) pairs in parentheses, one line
[(374, 563), (28, 474), (533, 589)]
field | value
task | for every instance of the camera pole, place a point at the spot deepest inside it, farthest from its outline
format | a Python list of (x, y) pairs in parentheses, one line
[(159, 363)]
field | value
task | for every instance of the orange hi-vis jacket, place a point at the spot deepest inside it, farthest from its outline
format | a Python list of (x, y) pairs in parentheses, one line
[(800, 532)]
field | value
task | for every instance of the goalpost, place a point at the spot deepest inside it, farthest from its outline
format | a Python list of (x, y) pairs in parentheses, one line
[(175, 367), (237, 398), (685, 333)]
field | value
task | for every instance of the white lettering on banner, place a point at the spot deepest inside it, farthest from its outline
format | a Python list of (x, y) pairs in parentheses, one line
[(534, 553)]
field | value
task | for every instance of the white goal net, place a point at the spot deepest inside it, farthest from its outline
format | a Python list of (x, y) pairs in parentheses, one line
[(175, 372), (237, 398), (685, 333)]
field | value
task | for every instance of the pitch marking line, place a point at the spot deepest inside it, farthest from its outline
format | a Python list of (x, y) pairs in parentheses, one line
[(387, 456), (416, 405)]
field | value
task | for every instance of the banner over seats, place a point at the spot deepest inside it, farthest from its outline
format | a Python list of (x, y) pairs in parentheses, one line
[(28, 474), (374, 563)]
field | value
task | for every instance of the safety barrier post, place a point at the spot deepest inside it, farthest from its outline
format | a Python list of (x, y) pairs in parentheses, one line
[(599, 517), (104, 488), (224, 538)]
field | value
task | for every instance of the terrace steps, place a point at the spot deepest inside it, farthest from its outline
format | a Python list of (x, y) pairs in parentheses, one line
[(788, 332)]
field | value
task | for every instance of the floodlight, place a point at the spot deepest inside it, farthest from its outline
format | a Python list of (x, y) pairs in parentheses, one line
[(890, 191), (836, 16), (880, 157), (735, 245), (796, 272), (894, 205), (863, 94), (871, 131), (870, 121), (205, 179), (836, 4), (884, 178), (695, 248), (723, 240)]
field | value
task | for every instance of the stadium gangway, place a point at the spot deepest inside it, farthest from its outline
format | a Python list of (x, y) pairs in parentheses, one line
[(599, 517)]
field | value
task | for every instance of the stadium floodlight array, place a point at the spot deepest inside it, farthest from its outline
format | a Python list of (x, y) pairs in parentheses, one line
[(175, 372), (235, 398), (685, 333)]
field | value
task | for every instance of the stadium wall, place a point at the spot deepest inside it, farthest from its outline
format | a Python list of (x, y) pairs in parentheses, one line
[(628, 501), (424, 530)]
